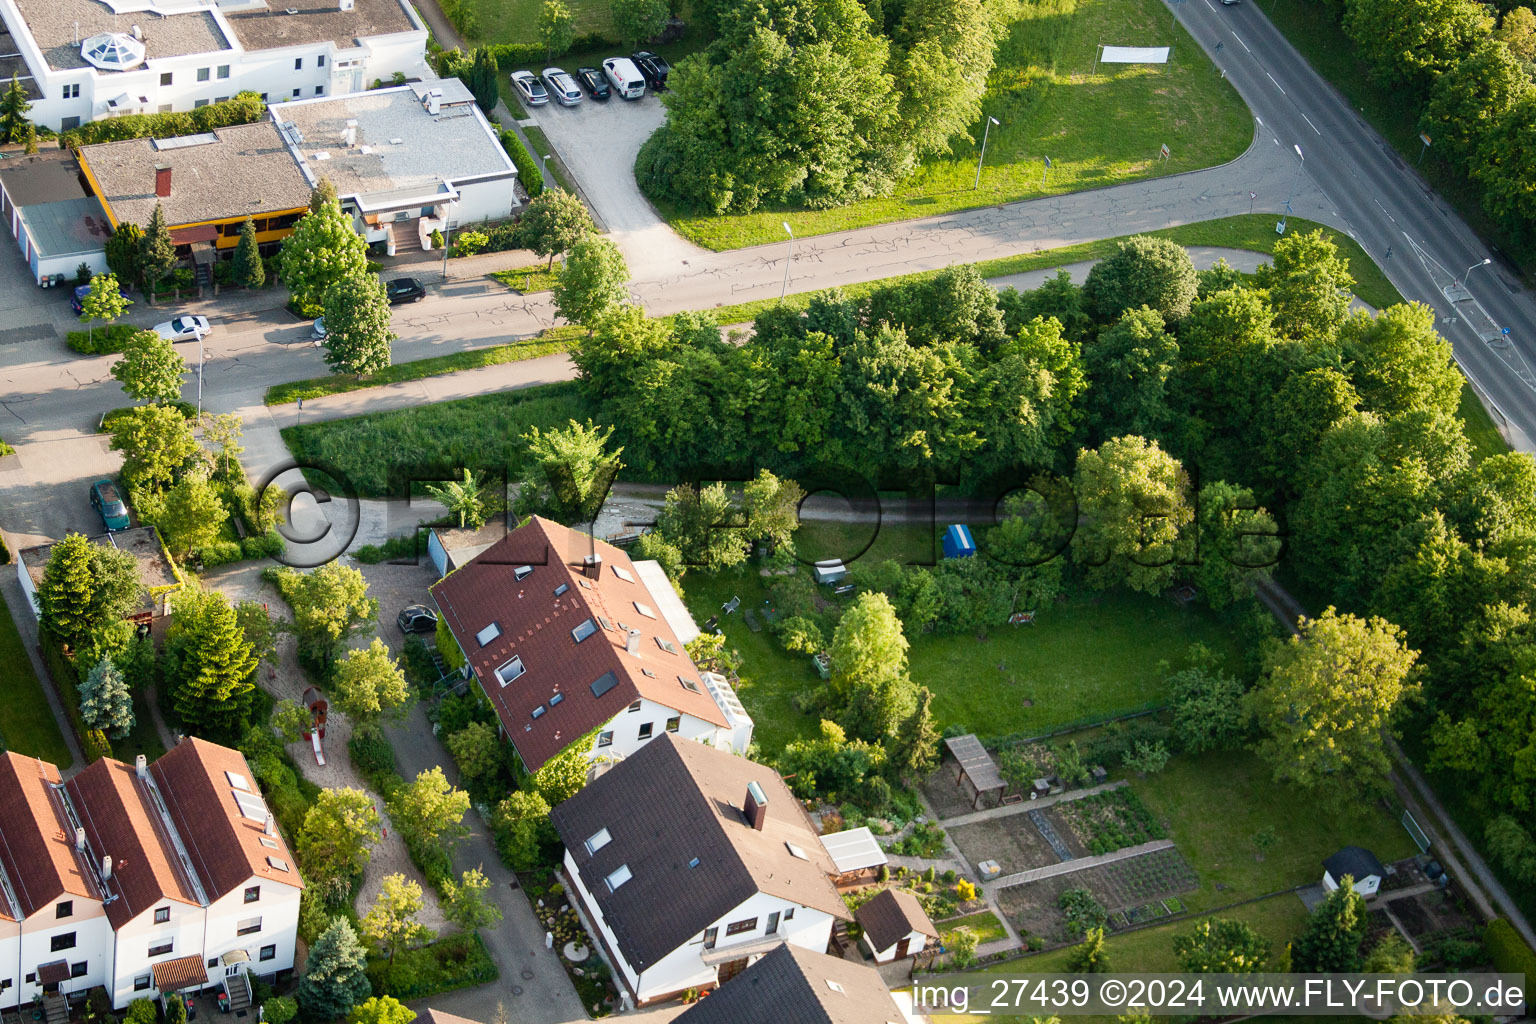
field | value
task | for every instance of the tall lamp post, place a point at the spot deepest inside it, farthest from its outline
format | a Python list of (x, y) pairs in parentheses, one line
[(986, 130), (544, 169), (199, 375), (1463, 282), (1295, 180), (788, 260), (453, 208)]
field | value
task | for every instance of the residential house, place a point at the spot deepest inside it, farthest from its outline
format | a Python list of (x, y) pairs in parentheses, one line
[(405, 161), (790, 983), (1358, 863), (688, 863), (566, 640), (157, 573), (82, 60), (895, 925), (143, 879)]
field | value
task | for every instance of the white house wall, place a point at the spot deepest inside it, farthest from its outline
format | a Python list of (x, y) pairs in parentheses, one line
[(625, 727), (484, 200), (93, 944), (184, 931), (10, 964), (278, 909)]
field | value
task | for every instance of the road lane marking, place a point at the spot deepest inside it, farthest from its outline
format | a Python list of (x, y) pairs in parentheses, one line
[(1240, 41), (1307, 119), (1383, 209), (1211, 6), (1280, 87)]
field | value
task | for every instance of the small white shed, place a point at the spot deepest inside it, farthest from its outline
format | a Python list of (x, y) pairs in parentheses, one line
[(1354, 862), (895, 925)]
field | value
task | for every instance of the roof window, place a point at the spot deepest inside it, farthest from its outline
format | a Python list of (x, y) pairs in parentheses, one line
[(623, 574), (689, 684), (488, 634), (644, 609), (666, 645), (556, 699), (795, 851), (599, 839), (584, 629), (522, 572), (511, 670), (604, 683), (539, 710), (238, 781), (562, 588), (278, 863), (618, 877)]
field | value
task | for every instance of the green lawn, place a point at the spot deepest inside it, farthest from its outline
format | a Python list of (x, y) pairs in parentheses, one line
[(1485, 437), (27, 724), (528, 280), (984, 923), (517, 21), (1099, 126)]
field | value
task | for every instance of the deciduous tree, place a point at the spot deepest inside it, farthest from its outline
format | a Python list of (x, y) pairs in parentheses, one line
[(103, 302), (1407, 43), (567, 472), (430, 810), (368, 685), (476, 749), (522, 827), (1143, 271), (639, 21), (381, 1010), (357, 325), (1129, 366), (557, 28), (869, 668), (330, 605), (1134, 502), (704, 524), (323, 250), (465, 499), (339, 828), (193, 514), (390, 924), (1400, 363), (157, 446), (466, 902), (592, 281)]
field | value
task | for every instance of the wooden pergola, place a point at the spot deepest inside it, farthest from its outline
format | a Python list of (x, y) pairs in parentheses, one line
[(975, 767)]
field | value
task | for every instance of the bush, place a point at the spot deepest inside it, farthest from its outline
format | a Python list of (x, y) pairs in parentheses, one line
[(1508, 950), (410, 545), (1081, 910), (374, 758), (458, 961), (527, 167), (221, 552), (265, 545), (470, 243), (244, 108), (103, 339), (95, 745)]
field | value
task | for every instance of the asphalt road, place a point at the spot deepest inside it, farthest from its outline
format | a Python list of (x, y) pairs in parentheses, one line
[(1381, 199)]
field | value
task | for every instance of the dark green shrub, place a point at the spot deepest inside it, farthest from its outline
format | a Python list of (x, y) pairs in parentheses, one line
[(221, 552), (103, 338), (244, 108), (1509, 952), (527, 167)]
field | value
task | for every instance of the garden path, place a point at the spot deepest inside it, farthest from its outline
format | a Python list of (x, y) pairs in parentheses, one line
[(1028, 805), (1077, 864)]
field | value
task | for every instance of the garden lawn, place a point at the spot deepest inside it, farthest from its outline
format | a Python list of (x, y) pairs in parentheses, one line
[(1215, 803), (1100, 126), (984, 923), (537, 277), (517, 21), (27, 725)]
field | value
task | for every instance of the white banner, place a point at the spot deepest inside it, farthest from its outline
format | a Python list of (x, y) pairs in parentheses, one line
[(1135, 55)]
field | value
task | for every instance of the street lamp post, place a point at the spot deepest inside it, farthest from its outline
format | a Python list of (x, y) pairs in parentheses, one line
[(544, 169), (985, 131), (1463, 282), (1295, 180), (448, 234), (787, 260)]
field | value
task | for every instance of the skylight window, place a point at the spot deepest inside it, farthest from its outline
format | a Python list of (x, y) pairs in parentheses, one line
[(623, 574), (522, 572), (251, 806), (584, 629), (618, 877), (488, 634), (694, 863), (666, 645), (598, 840), (510, 670), (539, 710), (795, 851), (644, 609), (835, 987), (584, 584), (648, 672), (604, 622), (689, 684), (270, 844), (562, 588), (556, 699), (238, 781), (604, 683)]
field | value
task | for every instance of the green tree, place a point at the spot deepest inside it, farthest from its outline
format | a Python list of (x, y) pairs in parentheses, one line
[(465, 499), (150, 370), (1089, 956), (323, 250), (157, 445), (1400, 363), (247, 270), (1309, 286), (562, 776), (637, 22), (103, 302), (1326, 700), (522, 827), (1208, 712), (567, 472), (1134, 503), (390, 924), (381, 1010), (1467, 103), (274, 1010), (430, 811), (1330, 943), (704, 524), (209, 665), (123, 250), (1503, 164), (961, 944), (869, 669), (593, 279), (1143, 271), (1390, 956), (334, 841), (1517, 30), (1221, 946), (1512, 847), (193, 514), (916, 750), (1408, 43), (476, 749), (105, 702), (222, 431), (942, 53), (368, 685), (335, 974), (557, 29), (291, 720), (357, 325), (1129, 366), (13, 111), (330, 605), (467, 902), (323, 195), (86, 588), (482, 79), (157, 253), (772, 508), (1240, 543)]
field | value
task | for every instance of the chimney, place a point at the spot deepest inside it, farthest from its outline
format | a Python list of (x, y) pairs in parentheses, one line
[(163, 180), (434, 101), (756, 807), (106, 866), (632, 642), (140, 766), (594, 564), (349, 134), (271, 826), (80, 839)]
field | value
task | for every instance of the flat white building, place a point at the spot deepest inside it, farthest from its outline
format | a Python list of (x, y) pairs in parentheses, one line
[(565, 638), (689, 864), (405, 161), (89, 59), (144, 879)]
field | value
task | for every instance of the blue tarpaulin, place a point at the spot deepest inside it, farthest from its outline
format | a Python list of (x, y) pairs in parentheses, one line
[(958, 542)]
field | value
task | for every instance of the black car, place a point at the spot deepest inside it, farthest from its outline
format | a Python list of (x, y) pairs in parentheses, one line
[(595, 82), (653, 68), (417, 618), (404, 289), (77, 299)]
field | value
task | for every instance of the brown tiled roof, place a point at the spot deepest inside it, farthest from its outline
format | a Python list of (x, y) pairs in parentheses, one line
[(535, 624), (891, 915), (673, 802), (120, 822), (36, 847), (182, 972), (53, 972), (193, 777), (795, 984), (431, 1016)]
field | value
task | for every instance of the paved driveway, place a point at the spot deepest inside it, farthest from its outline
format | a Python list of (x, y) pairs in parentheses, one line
[(599, 143)]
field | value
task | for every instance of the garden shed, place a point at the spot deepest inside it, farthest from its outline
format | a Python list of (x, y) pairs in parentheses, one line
[(958, 542), (1358, 863), (895, 925), (829, 572)]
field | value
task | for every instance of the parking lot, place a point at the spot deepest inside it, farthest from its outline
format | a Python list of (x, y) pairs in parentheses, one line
[(599, 143)]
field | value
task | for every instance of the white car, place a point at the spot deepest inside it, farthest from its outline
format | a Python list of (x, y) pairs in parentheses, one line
[(562, 87), (528, 89), (184, 328)]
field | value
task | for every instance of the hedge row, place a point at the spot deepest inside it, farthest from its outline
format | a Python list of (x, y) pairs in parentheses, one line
[(1510, 953), (226, 552), (458, 961), (244, 108), (103, 340), (512, 56), (527, 169)]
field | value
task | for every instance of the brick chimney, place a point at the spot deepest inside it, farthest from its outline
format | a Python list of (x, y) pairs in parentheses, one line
[(163, 180), (756, 806)]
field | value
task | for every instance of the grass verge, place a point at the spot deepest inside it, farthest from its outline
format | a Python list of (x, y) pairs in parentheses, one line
[(527, 280), (27, 724), (1481, 431), (1100, 124)]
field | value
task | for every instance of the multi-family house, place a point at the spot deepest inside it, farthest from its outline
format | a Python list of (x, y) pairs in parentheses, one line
[(566, 640), (689, 863)]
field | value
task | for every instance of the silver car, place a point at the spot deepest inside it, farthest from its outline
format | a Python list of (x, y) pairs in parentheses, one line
[(528, 89), (562, 87)]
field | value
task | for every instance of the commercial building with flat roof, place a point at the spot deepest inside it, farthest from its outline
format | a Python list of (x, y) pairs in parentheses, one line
[(57, 224)]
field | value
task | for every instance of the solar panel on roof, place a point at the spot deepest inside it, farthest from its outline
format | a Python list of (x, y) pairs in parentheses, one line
[(251, 806), (238, 781)]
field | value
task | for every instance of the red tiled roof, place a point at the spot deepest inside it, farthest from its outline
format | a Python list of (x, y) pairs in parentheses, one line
[(36, 847), (193, 777), (120, 822), (183, 972), (536, 625)]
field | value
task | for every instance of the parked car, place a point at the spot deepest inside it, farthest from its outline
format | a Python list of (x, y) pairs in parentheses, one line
[(77, 300), (653, 68), (184, 328), (106, 501), (562, 87), (404, 289), (417, 618), (624, 77), (593, 81), (529, 89)]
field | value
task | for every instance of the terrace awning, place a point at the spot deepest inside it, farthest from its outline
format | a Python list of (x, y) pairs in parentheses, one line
[(181, 973), (853, 850)]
